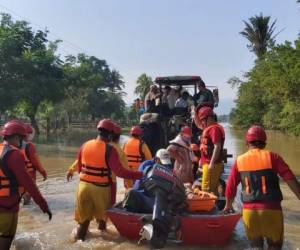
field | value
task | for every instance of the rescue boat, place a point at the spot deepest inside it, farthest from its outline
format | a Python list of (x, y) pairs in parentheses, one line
[(198, 228)]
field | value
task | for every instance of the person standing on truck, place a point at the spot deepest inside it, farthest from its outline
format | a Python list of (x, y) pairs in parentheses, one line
[(257, 170), (211, 147), (13, 180), (152, 100), (136, 151), (204, 96)]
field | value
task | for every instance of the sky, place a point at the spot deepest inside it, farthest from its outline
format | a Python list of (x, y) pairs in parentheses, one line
[(160, 37)]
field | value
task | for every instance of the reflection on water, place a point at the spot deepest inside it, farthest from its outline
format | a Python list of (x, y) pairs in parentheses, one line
[(35, 232)]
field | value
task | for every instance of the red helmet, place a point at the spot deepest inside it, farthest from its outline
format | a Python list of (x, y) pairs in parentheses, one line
[(201, 113), (13, 127), (186, 130), (256, 133), (204, 112), (194, 147), (136, 130), (28, 128), (106, 124), (117, 129)]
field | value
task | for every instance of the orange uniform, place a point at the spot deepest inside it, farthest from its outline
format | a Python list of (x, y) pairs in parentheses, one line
[(136, 151), (32, 160), (94, 169)]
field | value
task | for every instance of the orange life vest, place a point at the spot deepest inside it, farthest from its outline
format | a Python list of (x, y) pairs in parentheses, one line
[(94, 158), (207, 146), (259, 181), (8, 182), (25, 152), (133, 149)]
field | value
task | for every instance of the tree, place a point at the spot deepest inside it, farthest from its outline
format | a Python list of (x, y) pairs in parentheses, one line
[(30, 71), (143, 84), (260, 33), (115, 82), (92, 88), (270, 94)]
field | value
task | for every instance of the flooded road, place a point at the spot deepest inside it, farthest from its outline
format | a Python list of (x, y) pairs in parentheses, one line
[(36, 232)]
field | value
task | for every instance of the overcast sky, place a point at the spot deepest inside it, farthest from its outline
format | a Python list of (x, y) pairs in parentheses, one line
[(159, 37)]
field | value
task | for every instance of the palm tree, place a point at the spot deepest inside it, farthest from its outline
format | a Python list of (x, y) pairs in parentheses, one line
[(115, 81), (259, 33), (143, 84)]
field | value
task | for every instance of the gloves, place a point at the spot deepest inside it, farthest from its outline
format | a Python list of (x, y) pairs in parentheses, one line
[(44, 174), (69, 175), (49, 213), (228, 210)]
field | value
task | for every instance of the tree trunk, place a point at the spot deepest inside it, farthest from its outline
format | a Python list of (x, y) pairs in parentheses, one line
[(34, 124), (47, 127)]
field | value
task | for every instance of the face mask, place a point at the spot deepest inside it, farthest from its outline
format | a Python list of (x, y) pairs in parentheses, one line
[(30, 136)]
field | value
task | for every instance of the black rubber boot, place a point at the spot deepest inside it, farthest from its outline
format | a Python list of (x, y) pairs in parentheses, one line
[(82, 230)]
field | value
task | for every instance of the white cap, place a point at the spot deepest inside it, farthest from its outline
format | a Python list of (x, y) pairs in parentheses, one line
[(164, 156)]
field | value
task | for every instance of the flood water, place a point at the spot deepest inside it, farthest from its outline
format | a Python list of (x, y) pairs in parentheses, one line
[(36, 232)]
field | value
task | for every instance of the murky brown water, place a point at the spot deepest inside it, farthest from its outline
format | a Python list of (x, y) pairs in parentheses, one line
[(35, 232)]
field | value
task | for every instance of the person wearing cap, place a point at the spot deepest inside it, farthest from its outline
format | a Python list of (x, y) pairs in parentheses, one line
[(179, 149), (14, 179), (137, 200), (257, 170), (136, 151), (204, 96), (96, 161), (211, 147), (33, 163)]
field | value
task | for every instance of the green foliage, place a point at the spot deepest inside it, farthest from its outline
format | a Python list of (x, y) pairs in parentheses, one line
[(270, 96), (260, 33), (36, 83)]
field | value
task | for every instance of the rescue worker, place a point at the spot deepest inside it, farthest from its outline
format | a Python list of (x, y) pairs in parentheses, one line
[(96, 160), (179, 149), (32, 160), (136, 151), (258, 171), (211, 147), (115, 139), (13, 179)]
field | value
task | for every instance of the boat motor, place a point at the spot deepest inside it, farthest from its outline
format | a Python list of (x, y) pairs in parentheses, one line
[(169, 196)]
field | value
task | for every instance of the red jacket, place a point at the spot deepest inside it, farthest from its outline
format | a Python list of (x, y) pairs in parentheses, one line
[(16, 164)]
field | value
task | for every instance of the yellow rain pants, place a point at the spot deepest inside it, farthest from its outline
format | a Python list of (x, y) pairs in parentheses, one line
[(8, 224), (210, 178), (92, 202), (263, 223)]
